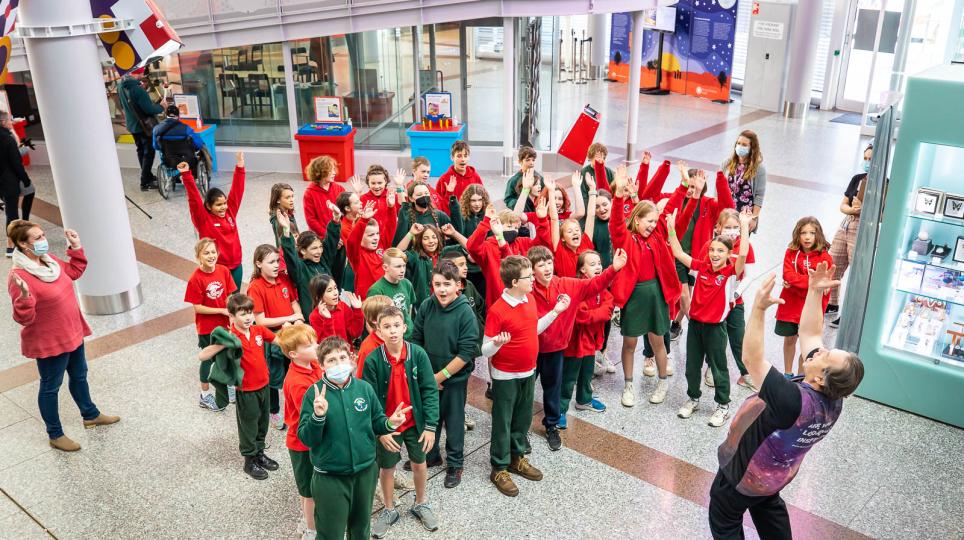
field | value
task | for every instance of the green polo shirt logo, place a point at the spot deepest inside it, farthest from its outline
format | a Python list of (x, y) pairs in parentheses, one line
[(360, 404)]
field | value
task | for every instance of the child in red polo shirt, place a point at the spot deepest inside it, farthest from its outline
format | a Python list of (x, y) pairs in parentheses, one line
[(459, 176), (298, 343), (208, 289), (365, 246), (251, 403), (511, 342), (713, 294), (331, 315)]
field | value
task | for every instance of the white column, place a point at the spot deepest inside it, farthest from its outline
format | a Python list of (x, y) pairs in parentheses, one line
[(803, 54), (69, 86), (508, 95), (290, 93), (598, 24), (632, 93)]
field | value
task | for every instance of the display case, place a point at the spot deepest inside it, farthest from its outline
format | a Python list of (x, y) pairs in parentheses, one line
[(912, 341)]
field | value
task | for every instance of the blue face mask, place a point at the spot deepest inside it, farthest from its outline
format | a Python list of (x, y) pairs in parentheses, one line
[(866, 165), (741, 150), (40, 247), (339, 373)]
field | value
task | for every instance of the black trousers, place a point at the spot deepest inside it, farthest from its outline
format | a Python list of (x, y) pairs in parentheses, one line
[(549, 368), (145, 156), (727, 507)]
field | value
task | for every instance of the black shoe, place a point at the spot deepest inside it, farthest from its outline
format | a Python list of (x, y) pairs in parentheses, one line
[(265, 462), (835, 323), (453, 477), (832, 309), (9, 252), (675, 329), (554, 440), (428, 463), (488, 391), (149, 186), (254, 470)]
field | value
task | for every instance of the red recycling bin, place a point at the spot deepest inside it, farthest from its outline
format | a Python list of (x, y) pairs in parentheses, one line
[(340, 147)]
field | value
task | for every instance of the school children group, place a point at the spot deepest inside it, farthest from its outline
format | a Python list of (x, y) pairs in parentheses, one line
[(359, 329)]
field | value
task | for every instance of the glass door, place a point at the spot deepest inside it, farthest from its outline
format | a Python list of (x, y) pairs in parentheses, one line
[(482, 76), (869, 47)]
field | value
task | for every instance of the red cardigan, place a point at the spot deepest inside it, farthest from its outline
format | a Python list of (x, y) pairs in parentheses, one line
[(382, 210), (50, 316), (488, 255), (557, 336), (626, 280), (710, 209), (367, 264), (795, 275), (224, 230), (588, 336), (315, 202), (346, 322)]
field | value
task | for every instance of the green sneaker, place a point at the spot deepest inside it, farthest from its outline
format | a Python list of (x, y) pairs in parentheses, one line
[(386, 518), (426, 515)]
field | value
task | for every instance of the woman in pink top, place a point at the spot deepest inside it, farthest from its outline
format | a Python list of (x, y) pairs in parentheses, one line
[(41, 287)]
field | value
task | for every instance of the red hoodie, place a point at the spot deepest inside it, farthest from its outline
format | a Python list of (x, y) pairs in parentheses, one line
[(381, 206), (345, 322), (566, 259), (315, 202), (224, 230), (462, 181), (366, 263), (556, 337), (488, 255), (709, 213), (588, 336), (797, 279), (633, 243)]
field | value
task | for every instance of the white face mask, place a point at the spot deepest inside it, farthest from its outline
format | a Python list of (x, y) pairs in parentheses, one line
[(731, 233), (741, 150), (339, 373)]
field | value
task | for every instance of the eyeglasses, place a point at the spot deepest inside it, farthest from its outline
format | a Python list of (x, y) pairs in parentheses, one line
[(530, 276)]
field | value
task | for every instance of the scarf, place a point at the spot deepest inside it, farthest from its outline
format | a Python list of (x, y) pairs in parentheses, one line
[(48, 272)]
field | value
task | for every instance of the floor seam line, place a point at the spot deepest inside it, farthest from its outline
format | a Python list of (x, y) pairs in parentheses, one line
[(27, 512)]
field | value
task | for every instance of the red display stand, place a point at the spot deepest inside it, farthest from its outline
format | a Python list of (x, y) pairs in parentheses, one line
[(340, 147), (577, 142), (20, 126)]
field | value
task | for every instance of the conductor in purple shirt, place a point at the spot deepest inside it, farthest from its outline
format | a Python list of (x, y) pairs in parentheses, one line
[(775, 428)]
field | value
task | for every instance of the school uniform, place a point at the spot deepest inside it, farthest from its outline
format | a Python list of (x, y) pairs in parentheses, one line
[(477, 302), (365, 263), (462, 181), (652, 189), (341, 446), (444, 333), (407, 379), (223, 230), (713, 294), (513, 190), (382, 210), (369, 344), (513, 369), (566, 259), (274, 300), (601, 240), (470, 223), (588, 337), (210, 290), (402, 295), (488, 254), (315, 203), (345, 322), (736, 319), (796, 264), (418, 270), (554, 340), (698, 219), (251, 401), (300, 271), (297, 381), (408, 216), (600, 173)]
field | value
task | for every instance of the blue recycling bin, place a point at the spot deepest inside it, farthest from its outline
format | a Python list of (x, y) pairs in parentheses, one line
[(207, 135), (434, 144)]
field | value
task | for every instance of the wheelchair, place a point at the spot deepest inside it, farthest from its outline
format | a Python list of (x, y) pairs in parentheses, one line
[(174, 152)]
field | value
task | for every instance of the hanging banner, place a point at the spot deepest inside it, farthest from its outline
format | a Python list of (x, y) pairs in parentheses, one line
[(8, 21), (697, 53), (152, 38)]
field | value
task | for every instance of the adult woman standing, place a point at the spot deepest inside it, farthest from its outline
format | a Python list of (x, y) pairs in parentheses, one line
[(842, 247), (41, 288), (746, 175)]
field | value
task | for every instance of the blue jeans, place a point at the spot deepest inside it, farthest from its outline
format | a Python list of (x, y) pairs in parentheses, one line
[(52, 369)]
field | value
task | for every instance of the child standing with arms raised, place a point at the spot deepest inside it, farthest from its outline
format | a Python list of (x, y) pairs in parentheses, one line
[(808, 248)]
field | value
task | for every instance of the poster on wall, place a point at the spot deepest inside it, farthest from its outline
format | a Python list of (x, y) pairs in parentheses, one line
[(697, 58)]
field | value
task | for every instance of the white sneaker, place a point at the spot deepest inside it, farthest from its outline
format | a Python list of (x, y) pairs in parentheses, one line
[(662, 386), (688, 408), (670, 370), (302, 525), (746, 382), (649, 367), (720, 415), (232, 394), (309, 535), (599, 366), (629, 396), (611, 367), (708, 378), (469, 424)]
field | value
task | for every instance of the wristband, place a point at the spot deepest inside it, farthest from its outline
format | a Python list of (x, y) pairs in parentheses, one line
[(593, 193), (399, 190), (500, 238), (525, 191), (672, 232), (410, 235), (445, 371)]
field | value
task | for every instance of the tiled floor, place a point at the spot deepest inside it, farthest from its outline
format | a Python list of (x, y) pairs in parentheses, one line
[(170, 470)]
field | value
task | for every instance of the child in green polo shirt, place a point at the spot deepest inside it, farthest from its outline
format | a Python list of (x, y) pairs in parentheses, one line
[(402, 375), (395, 285), (340, 417)]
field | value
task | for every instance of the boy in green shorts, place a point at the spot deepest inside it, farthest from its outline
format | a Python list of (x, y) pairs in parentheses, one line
[(341, 445), (395, 286), (402, 375)]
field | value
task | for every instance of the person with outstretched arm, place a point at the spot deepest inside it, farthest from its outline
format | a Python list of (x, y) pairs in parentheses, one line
[(774, 429)]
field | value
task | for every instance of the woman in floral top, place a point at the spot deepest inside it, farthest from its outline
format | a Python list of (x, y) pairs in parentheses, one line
[(746, 175)]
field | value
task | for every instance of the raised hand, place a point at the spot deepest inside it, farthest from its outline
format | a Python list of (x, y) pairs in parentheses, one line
[(238, 160), (671, 221), (821, 278), (698, 180), (73, 239), (647, 157), (490, 212), (353, 300), (562, 303), (620, 259), (528, 179), (746, 219), (542, 208), (427, 439), (501, 338), (496, 225), (283, 220), (450, 185), (390, 198), (448, 229), (321, 402), (764, 297), (399, 178), (621, 177), (356, 184), (323, 310), (683, 168), (183, 167), (398, 417), (24, 291), (369, 210), (417, 229), (335, 212), (587, 179)]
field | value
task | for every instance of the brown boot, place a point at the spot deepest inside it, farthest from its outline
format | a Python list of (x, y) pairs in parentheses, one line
[(101, 420), (503, 482), (521, 466), (64, 443)]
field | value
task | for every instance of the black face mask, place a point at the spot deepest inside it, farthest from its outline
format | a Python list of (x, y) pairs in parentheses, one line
[(423, 201), (510, 235)]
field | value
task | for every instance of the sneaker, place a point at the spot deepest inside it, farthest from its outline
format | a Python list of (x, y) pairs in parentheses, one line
[(746, 382), (277, 421), (562, 422), (788, 376), (309, 534), (649, 367), (404, 481), (835, 323), (206, 401), (503, 482), (599, 365), (252, 469), (302, 526), (453, 477), (720, 415), (521, 466), (670, 370), (554, 440), (611, 367), (386, 518), (688, 408), (149, 186), (708, 378), (469, 424), (659, 395), (675, 329), (9, 253), (617, 317), (629, 395), (595, 406), (426, 515), (232, 394), (832, 309)]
